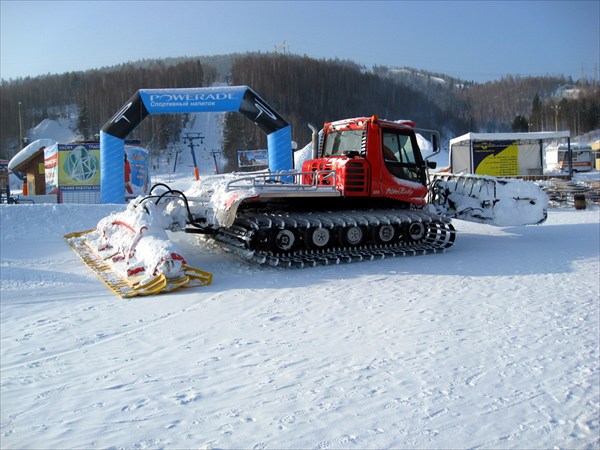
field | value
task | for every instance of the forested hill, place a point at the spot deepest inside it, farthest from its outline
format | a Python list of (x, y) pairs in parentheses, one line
[(304, 90)]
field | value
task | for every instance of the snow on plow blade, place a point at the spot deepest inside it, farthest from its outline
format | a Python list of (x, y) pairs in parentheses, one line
[(495, 201), (134, 260)]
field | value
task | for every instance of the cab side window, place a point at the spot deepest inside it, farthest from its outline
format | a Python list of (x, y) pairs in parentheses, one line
[(399, 156), (391, 151)]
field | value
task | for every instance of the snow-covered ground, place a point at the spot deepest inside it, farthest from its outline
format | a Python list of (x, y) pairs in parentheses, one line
[(493, 344)]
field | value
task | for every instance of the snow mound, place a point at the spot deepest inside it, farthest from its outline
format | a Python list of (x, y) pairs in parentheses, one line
[(59, 130)]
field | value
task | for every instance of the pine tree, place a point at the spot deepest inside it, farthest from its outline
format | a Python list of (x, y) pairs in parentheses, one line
[(519, 124), (536, 113), (83, 122)]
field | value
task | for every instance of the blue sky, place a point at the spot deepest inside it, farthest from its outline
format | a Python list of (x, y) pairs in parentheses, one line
[(472, 40)]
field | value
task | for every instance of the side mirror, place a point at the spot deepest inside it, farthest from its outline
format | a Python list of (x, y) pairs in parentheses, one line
[(431, 164), (435, 143), (435, 139)]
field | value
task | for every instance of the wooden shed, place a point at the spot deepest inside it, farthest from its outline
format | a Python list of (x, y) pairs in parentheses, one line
[(30, 161)]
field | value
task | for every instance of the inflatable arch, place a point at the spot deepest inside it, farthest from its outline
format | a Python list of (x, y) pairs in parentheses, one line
[(185, 100)]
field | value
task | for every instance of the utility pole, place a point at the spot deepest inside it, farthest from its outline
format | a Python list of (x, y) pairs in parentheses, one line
[(556, 109), (189, 138), (20, 130)]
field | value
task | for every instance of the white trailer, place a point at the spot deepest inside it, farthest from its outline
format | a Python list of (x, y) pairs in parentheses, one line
[(502, 154), (557, 157)]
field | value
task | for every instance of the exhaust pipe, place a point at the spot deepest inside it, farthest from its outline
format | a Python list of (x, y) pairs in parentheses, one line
[(315, 141)]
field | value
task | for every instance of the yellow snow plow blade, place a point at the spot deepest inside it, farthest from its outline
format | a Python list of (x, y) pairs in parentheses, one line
[(135, 285)]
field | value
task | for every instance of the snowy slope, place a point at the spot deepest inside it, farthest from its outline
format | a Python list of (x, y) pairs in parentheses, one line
[(61, 130), (210, 127)]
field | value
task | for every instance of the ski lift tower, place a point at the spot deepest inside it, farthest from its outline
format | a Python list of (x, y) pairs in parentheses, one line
[(189, 139), (214, 154), (175, 151)]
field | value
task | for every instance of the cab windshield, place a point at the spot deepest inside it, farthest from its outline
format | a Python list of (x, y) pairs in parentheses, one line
[(341, 142)]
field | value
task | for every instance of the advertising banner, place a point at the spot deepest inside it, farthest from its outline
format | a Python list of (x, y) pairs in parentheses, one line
[(253, 158), (496, 158), (79, 165), (217, 99), (51, 168), (73, 171), (136, 170)]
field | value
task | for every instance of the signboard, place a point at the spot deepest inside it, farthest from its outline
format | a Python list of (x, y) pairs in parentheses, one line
[(79, 165), (136, 175), (73, 171), (74, 165), (496, 158), (184, 100), (253, 158)]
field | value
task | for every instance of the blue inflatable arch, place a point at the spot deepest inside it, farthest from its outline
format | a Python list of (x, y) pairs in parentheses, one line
[(169, 101)]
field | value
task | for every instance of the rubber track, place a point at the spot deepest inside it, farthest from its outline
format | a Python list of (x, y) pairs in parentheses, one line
[(439, 236)]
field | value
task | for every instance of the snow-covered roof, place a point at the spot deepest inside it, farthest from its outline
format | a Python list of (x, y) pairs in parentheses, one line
[(28, 152), (544, 135)]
